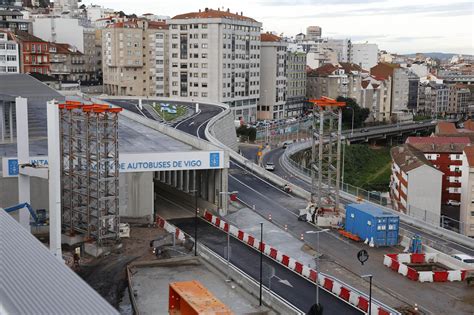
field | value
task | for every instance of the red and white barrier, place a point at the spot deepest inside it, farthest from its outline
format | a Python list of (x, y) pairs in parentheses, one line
[(397, 262), (328, 283), (162, 223)]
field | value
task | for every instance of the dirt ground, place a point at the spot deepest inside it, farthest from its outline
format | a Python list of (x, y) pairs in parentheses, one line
[(107, 274)]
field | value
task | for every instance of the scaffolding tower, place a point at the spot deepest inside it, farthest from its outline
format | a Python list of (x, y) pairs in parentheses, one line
[(89, 170), (326, 153)]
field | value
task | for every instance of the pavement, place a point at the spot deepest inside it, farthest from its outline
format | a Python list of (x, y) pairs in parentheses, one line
[(151, 286)]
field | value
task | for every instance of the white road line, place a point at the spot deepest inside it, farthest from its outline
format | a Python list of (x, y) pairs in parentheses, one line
[(197, 131), (266, 182), (259, 193), (192, 116)]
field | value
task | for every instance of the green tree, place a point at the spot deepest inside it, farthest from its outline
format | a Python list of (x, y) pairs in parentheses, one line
[(360, 114)]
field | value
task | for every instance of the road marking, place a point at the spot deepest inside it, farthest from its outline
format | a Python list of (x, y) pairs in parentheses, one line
[(192, 116), (259, 193), (263, 180)]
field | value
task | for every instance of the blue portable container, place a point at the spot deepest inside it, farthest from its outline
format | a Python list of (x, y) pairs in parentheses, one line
[(372, 223)]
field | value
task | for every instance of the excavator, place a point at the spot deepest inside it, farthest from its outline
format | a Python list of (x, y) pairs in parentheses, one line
[(39, 216)]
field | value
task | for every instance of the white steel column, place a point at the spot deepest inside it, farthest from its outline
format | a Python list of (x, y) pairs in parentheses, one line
[(23, 148), (54, 180)]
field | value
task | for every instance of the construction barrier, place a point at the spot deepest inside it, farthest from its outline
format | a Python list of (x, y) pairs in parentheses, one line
[(328, 283), (398, 263)]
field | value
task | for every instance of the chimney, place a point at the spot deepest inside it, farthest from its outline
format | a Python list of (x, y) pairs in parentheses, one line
[(228, 10), (199, 10), (218, 9), (241, 13), (207, 9)]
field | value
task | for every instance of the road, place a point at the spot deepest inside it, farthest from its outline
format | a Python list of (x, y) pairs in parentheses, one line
[(301, 293), (275, 155)]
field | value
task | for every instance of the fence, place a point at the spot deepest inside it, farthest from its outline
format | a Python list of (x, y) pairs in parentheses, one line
[(372, 196)]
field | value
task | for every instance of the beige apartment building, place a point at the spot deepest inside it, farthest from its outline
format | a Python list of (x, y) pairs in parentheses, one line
[(466, 215), (134, 58)]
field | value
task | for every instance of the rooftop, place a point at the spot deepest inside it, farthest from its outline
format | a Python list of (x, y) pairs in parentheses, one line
[(269, 37), (444, 127), (408, 158), (27, 37), (33, 281), (214, 14)]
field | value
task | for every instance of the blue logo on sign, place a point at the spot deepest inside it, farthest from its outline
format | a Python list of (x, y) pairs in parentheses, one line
[(214, 159), (13, 167)]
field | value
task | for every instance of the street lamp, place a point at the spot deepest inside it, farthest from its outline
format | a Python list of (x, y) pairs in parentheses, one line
[(261, 262), (317, 263), (352, 129), (196, 212), (370, 291), (228, 232)]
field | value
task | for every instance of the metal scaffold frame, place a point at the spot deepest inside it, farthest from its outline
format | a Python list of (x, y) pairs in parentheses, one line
[(326, 153), (89, 172)]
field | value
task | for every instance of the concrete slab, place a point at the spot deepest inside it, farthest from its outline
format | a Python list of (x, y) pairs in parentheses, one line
[(151, 287)]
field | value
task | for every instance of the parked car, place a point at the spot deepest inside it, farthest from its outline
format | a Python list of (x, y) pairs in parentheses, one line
[(465, 259), (453, 203), (270, 166)]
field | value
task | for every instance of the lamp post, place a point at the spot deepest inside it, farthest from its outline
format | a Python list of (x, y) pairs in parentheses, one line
[(317, 263), (353, 113), (261, 262), (228, 232), (370, 292)]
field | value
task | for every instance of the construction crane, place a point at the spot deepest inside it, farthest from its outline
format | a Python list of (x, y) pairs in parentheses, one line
[(39, 216)]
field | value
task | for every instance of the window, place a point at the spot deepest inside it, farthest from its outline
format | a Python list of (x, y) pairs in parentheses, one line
[(11, 58), (204, 36), (11, 47), (204, 65), (204, 26), (204, 75), (204, 94), (204, 46), (11, 69), (174, 36), (204, 55)]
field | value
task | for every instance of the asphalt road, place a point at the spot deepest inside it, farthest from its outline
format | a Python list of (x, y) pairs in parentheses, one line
[(301, 294), (275, 155)]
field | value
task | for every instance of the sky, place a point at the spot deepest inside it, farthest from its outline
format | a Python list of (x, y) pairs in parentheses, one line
[(398, 26)]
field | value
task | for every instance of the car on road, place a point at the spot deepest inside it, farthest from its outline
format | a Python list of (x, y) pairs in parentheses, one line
[(465, 259), (365, 130), (286, 144), (453, 203), (270, 166)]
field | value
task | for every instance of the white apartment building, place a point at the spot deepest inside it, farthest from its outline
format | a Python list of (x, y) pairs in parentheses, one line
[(296, 82), (215, 56), (9, 53), (365, 55), (273, 84), (466, 215)]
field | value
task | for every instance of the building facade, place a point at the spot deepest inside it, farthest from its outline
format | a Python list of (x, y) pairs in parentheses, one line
[(415, 185), (273, 79), (445, 154), (215, 56), (13, 20), (9, 53), (67, 63), (295, 83), (34, 53), (375, 95), (466, 214), (364, 55), (458, 100), (313, 33), (334, 80), (433, 99)]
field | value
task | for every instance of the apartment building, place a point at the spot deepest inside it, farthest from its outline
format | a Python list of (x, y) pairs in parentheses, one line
[(466, 215), (34, 53), (313, 32), (333, 80), (364, 55), (458, 100), (375, 95), (273, 82), (400, 85), (9, 53), (433, 98), (295, 82), (67, 63), (134, 58), (13, 20), (215, 56), (415, 184), (445, 154)]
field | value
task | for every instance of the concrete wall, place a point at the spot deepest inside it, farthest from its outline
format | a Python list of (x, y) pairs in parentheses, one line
[(136, 194), (224, 131), (424, 189)]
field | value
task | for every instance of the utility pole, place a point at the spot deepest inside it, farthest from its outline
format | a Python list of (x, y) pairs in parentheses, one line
[(370, 292), (261, 262)]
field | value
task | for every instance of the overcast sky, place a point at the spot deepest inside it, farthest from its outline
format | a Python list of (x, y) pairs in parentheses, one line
[(399, 26)]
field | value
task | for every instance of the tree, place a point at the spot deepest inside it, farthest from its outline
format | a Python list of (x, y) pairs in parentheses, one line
[(360, 114)]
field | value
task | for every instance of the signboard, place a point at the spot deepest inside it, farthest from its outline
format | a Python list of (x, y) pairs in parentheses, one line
[(362, 256), (142, 162)]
